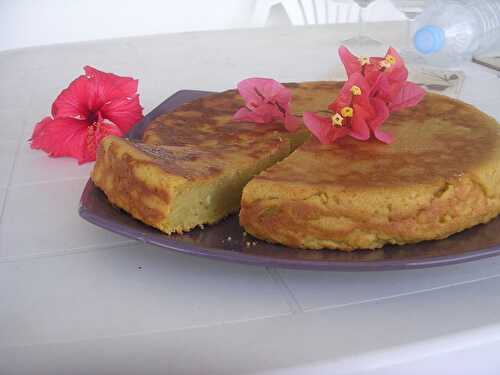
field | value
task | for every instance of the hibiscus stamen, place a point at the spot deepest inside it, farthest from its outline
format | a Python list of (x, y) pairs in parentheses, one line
[(355, 90), (91, 136), (337, 120), (92, 117), (347, 111)]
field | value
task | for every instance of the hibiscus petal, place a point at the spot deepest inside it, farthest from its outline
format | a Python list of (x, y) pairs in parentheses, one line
[(124, 112), (351, 62), (409, 95), (320, 127), (73, 101), (35, 137), (61, 137), (103, 129), (108, 86)]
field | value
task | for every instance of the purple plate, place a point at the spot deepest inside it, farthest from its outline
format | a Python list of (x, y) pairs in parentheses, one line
[(226, 240)]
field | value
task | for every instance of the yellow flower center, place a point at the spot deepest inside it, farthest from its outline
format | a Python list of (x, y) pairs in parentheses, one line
[(364, 61), (347, 112), (385, 64), (355, 90), (390, 59), (337, 120)]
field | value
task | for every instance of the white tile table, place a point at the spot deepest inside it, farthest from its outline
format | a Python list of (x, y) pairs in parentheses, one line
[(75, 299)]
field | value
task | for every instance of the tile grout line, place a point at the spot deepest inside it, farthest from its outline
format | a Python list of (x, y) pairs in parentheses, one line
[(35, 183), (290, 298), (75, 250), (149, 332), (406, 294), (16, 156), (9, 179)]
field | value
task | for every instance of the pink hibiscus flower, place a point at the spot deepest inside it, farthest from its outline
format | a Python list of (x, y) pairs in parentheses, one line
[(93, 106), (266, 101)]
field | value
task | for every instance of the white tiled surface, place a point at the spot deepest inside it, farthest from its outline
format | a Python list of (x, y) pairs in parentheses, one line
[(43, 218), (8, 151), (112, 294), (33, 166), (322, 290), (337, 341), (2, 198), (73, 298), (11, 126)]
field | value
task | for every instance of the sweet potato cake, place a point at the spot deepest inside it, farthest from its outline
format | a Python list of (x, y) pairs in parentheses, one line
[(440, 176)]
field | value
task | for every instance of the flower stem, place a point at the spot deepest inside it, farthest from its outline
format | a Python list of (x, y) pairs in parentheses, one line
[(324, 111)]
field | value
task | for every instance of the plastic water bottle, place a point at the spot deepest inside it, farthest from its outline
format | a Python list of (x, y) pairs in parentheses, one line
[(451, 31)]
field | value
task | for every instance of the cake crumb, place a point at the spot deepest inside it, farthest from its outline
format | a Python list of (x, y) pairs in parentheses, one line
[(229, 238), (247, 244), (244, 234), (202, 226)]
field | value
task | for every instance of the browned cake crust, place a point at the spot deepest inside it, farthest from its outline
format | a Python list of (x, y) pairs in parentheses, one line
[(193, 163), (440, 176)]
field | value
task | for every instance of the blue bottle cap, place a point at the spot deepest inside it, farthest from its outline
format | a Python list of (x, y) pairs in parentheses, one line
[(429, 39)]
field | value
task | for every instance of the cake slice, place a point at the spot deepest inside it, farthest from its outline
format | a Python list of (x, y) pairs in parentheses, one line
[(175, 188), (192, 165)]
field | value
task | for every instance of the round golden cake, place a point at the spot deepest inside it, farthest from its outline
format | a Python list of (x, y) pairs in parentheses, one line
[(195, 165), (439, 177)]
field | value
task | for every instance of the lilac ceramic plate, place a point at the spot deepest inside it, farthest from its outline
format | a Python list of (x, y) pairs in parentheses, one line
[(213, 241)]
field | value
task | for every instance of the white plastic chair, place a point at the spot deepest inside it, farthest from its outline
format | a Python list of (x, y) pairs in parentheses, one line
[(308, 12), (311, 12)]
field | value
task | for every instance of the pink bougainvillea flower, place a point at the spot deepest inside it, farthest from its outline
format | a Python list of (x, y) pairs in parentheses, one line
[(391, 65), (387, 77), (266, 101), (376, 86), (93, 106), (352, 108), (352, 114)]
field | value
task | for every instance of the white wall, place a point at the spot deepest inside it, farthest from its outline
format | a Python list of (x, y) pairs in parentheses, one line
[(25, 23)]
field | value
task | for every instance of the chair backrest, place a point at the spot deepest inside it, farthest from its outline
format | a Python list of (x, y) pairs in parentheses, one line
[(308, 12), (328, 11)]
